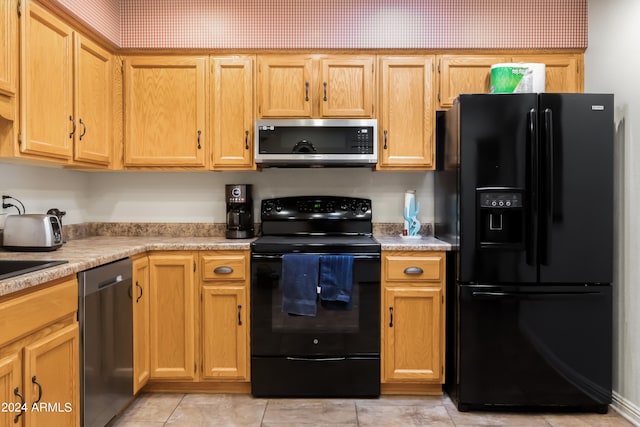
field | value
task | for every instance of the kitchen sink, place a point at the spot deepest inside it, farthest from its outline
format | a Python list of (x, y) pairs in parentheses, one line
[(12, 268)]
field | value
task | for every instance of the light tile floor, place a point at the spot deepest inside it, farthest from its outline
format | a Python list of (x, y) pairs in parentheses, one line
[(196, 410)]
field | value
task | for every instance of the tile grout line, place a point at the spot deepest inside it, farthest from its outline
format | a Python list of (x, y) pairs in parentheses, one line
[(264, 412), (174, 410)]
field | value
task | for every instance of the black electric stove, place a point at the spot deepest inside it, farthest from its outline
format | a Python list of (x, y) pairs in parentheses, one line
[(334, 352)]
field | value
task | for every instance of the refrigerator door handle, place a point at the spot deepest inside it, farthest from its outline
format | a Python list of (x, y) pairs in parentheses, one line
[(548, 196), (533, 177)]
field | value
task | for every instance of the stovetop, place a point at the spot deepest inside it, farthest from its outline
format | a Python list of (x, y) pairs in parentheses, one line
[(316, 224)]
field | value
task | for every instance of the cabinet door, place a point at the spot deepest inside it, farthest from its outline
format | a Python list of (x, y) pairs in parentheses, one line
[(46, 92), (225, 332), (8, 47), (165, 101), (407, 113), (562, 72), (11, 390), (346, 87), (140, 300), (285, 86), (93, 137), (172, 316), (232, 113), (464, 74), (412, 334), (8, 58), (52, 379)]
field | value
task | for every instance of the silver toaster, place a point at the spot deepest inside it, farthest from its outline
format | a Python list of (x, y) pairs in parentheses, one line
[(32, 232)]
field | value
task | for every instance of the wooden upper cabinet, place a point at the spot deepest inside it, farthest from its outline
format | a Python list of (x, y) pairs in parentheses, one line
[(66, 93), (232, 112), (346, 87), (563, 73), (93, 139), (472, 73), (47, 117), (315, 86), (8, 57), (284, 86), (464, 74), (165, 111), (406, 124)]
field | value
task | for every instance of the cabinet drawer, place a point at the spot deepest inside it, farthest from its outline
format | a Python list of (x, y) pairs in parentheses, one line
[(224, 266), (24, 314), (428, 268)]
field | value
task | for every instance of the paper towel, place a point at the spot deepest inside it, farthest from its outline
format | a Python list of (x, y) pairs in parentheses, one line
[(517, 78)]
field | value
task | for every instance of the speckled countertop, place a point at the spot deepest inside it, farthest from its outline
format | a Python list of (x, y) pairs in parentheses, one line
[(90, 252)]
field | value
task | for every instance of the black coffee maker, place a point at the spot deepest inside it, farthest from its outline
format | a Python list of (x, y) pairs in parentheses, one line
[(239, 211)]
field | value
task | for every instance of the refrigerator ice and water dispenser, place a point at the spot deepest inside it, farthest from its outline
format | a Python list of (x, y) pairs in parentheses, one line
[(500, 216)]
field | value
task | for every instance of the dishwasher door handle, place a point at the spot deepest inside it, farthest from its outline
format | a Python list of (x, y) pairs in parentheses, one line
[(111, 282)]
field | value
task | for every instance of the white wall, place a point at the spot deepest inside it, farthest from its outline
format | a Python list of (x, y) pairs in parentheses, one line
[(41, 189), (199, 196), (611, 65)]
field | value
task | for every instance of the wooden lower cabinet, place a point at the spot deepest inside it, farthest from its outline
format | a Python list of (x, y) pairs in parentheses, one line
[(39, 357), (225, 315), (199, 321), (172, 320), (140, 301), (225, 349), (413, 297)]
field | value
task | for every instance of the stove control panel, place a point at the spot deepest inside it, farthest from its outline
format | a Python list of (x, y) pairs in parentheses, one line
[(316, 207)]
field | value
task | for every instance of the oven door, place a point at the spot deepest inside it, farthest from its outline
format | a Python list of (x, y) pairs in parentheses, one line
[(332, 332)]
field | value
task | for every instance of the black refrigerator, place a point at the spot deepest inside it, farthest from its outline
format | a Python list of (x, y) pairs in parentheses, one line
[(524, 193)]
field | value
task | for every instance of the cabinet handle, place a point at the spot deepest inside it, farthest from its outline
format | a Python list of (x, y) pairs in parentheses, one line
[(246, 139), (385, 139), (16, 391), (199, 146), (325, 91), (33, 380), (413, 270), (140, 287), (73, 130), (84, 129), (223, 270), (239, 315), (306, 91), (391, 317)]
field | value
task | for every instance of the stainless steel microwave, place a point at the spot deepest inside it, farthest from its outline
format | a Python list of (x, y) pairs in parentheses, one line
[(316, 142)]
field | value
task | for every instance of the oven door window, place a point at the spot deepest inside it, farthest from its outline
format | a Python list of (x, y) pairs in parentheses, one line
[(332, 331)]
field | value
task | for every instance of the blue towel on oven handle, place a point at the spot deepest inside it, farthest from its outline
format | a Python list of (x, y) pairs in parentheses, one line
[(300, 283), (336, 280)]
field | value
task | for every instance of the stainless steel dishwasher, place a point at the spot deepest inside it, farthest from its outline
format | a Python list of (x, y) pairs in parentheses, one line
[(105, 315)]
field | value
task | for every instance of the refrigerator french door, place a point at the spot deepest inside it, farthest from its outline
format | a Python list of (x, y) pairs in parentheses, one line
[(526, 195)]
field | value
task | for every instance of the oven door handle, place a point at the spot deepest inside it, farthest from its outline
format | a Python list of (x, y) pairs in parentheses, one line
[(322, 359), (279, 256)]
